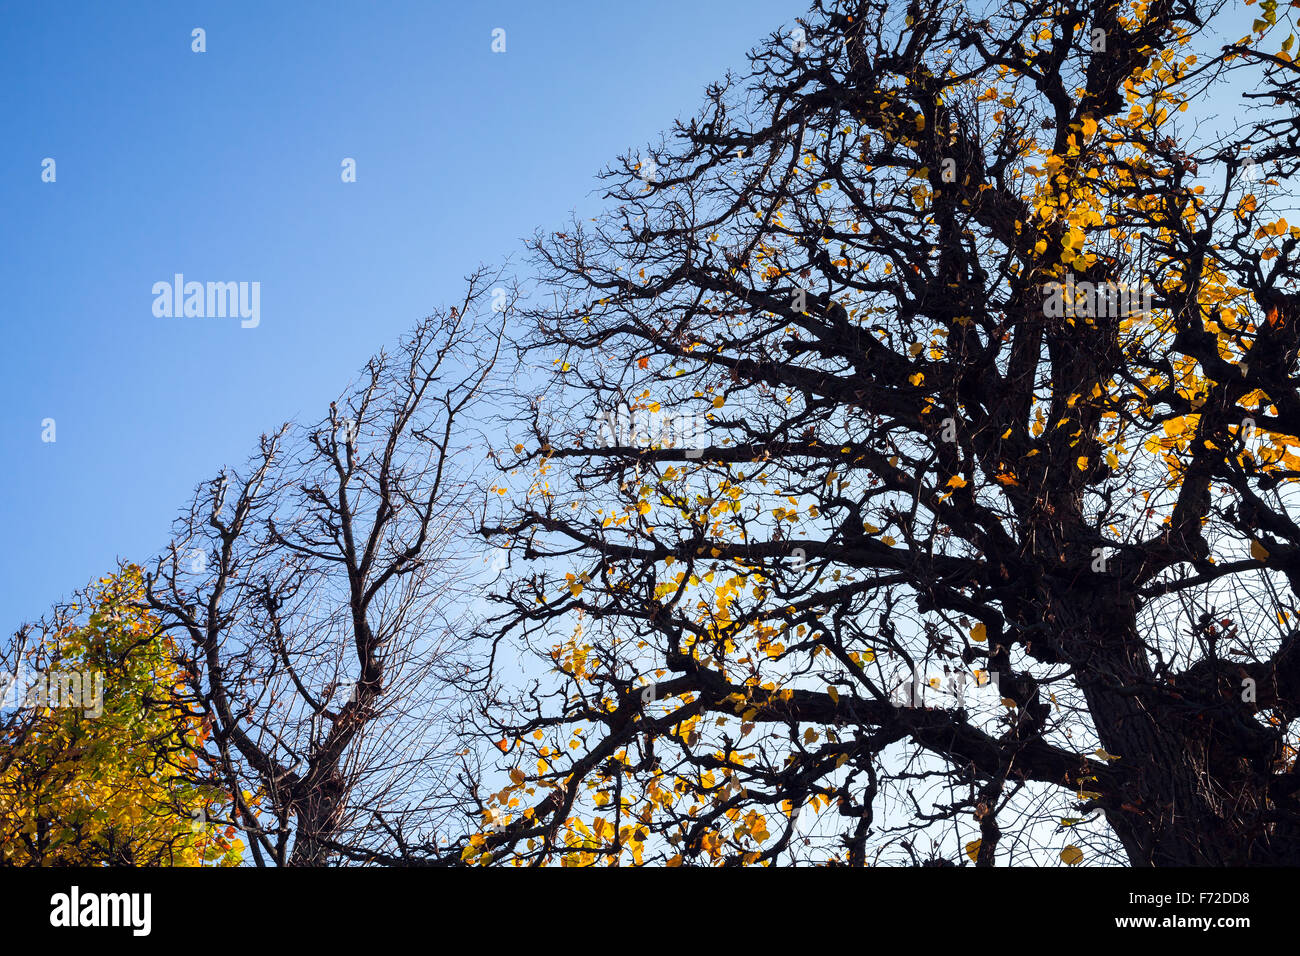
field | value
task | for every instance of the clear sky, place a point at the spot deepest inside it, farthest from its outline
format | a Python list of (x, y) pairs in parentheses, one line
[(225, 166)]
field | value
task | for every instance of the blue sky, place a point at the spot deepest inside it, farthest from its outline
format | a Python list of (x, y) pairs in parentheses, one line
[(225, 166)]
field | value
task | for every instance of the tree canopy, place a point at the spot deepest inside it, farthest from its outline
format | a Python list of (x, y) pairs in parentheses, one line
[(985, 548), (99, 743)]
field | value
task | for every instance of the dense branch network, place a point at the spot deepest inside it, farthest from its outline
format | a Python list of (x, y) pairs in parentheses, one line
[(935, 352)]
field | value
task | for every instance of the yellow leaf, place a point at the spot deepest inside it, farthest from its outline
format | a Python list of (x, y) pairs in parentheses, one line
[(1258, 551), (979, 633), (1082, 462), (973, 850), (956, 481), (916, 379), (835, 694), (1072, 855)]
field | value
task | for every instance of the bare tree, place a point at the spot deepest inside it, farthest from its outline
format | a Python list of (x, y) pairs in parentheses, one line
[(321, 592)]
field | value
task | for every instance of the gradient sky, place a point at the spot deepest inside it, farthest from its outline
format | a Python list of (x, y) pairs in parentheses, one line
[(225, 166)]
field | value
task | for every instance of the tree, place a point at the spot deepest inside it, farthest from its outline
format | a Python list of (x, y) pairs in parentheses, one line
[(99, 742), (317, 598), (986, 549)]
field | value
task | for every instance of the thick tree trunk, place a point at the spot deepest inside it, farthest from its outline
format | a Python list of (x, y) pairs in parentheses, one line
[(1195, 764), (318, 819)]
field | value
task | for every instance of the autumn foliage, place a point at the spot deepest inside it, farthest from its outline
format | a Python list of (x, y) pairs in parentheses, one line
[(113, 781)]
